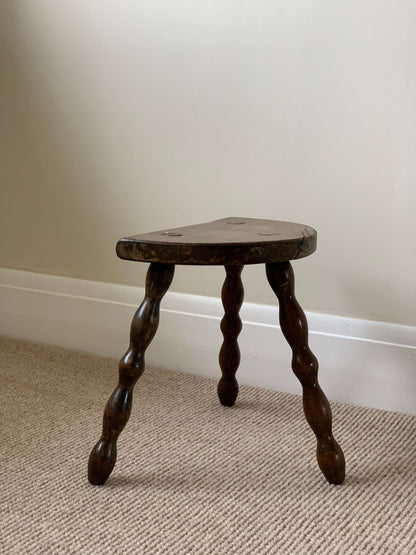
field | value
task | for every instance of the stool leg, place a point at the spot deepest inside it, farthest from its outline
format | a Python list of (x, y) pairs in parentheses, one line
[(305, 366), (232, 295), (117, 411)]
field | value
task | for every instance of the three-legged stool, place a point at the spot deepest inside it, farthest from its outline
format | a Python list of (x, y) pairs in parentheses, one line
[(231, 242)]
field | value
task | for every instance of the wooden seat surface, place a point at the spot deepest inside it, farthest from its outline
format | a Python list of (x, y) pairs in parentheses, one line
[(226, 241)]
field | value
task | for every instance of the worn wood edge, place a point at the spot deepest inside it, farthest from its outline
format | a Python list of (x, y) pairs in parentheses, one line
[(211, 254)]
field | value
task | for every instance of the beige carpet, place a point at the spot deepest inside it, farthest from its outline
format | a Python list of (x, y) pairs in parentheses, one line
[(192, 476)]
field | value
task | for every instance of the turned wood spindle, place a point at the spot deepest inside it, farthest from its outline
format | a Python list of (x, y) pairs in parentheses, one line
[(117, 410), (232, 295), (305, 366)]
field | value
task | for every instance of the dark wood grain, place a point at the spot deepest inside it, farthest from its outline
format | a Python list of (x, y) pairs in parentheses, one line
[(305, 366), (232, 298), (222, 242), (117, 411)]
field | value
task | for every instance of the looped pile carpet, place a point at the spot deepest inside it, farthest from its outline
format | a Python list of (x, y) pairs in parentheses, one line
[(192, 477)]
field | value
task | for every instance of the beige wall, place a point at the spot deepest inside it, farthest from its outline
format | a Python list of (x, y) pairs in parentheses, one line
[(126, 116)]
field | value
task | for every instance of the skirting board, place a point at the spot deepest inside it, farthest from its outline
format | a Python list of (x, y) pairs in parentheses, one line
[(366, 363)]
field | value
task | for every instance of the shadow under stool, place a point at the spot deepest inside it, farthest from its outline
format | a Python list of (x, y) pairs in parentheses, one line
[(232, 243)]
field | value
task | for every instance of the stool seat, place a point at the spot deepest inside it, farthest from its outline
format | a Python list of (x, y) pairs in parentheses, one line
[(226, 241)]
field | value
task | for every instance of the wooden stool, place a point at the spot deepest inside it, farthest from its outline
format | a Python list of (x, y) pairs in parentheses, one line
[(231, 242)]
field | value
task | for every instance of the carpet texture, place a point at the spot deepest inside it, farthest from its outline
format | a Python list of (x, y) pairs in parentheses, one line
[(192, 477)]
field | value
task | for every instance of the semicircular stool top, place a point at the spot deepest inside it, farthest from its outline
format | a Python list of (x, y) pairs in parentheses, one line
[(221, 242), (232, 242)]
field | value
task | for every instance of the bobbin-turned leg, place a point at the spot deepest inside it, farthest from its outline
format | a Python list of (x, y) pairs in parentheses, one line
[(232, 295), (117, 410), (305, 366)]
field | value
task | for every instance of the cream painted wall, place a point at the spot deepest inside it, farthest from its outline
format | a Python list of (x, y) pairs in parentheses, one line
[(121, 117)]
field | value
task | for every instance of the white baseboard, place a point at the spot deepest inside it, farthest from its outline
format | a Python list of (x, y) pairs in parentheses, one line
[(362, 362)]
